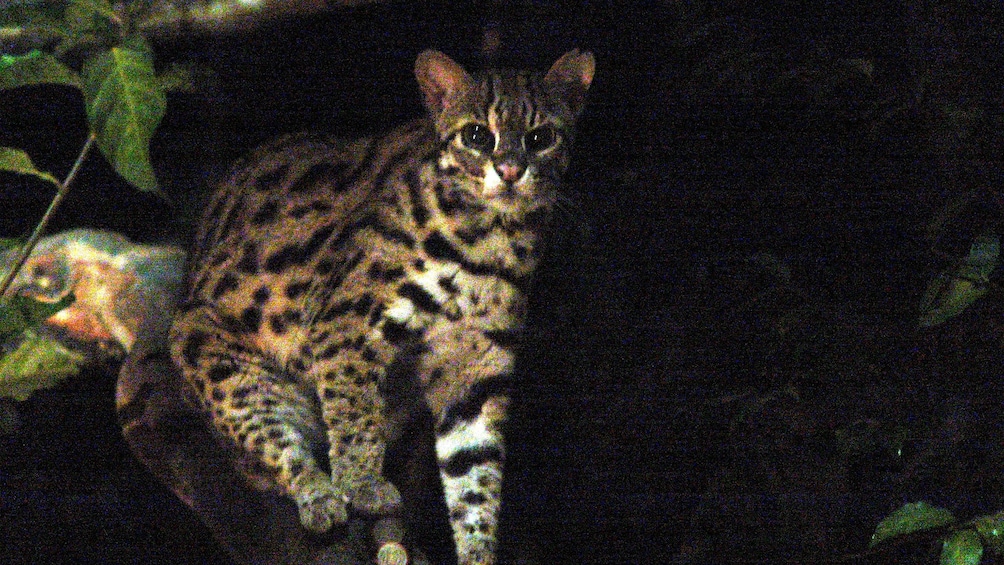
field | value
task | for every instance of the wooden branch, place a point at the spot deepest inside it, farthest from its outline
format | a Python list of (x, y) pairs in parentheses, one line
[(172, 18)]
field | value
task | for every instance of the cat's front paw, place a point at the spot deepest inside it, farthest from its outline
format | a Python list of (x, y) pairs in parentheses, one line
[(376, 497), (320, 504)]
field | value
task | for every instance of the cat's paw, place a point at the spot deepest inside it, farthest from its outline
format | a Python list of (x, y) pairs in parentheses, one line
[(375, 496), (320, 504)]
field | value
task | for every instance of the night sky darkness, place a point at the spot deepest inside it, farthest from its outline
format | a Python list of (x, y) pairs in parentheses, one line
[(727, 364)]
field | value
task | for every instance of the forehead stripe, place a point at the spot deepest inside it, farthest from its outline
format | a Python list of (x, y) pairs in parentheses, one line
[(493, 97)]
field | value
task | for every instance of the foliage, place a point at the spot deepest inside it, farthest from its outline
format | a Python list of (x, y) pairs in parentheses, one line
[(17, 161), (962, 544), (911, 518), (124, 105), (37, 363), (98, 51), (954, 290), (962, 548), (725, 59), (19, 313), (123, 98), (34, 68)]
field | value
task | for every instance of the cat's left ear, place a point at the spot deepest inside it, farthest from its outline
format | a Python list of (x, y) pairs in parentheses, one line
[(441, 80), (572, 74)]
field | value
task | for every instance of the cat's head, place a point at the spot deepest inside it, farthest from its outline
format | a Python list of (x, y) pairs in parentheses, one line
[(506, 135)]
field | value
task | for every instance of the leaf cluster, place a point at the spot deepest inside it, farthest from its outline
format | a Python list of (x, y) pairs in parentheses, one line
[(95, 47), (962, 543), (35, 362), (953, 290), (123, 98)]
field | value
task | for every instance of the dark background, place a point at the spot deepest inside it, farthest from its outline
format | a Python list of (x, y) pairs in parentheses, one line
[(726, 363)]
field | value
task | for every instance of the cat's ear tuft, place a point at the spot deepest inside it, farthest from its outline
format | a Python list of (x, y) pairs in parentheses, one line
[(441, 80), (572, 74)]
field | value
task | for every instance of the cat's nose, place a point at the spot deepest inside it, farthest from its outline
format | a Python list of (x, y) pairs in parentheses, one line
[(509, 171)]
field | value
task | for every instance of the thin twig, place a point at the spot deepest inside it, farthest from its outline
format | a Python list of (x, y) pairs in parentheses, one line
[(64, 189)]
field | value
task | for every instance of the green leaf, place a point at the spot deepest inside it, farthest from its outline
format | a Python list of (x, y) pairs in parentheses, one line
[(35, 67), (991, 530), (124, 106), (911, 518), (178, 78), (949, 294), (37, 363), (20, 313), (17, 161), (86, 7), (982, 258), (962, 548)]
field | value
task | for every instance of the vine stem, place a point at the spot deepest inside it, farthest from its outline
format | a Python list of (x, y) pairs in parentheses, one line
[(64, 189)]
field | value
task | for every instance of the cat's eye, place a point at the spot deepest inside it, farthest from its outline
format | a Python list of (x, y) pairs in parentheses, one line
[(479, 137), (539, 139)]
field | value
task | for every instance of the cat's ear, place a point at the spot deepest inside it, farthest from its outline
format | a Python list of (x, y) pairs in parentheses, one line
[(571, 75), (441, 79)]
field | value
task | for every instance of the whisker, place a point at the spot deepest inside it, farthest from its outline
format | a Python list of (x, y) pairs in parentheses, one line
[(570, 210)]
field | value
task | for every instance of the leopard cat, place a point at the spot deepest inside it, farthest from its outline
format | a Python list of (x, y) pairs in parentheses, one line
[(336, 287)]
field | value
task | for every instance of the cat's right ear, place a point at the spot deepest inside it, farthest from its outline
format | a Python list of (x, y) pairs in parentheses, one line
[(441, 79), (571, 75)]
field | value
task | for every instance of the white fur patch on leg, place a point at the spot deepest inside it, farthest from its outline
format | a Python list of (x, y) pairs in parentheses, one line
[(465, 435), (474, 502), (470, 458)]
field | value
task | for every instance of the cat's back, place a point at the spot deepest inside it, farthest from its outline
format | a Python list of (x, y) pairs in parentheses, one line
[(284, 192), (279, 234)]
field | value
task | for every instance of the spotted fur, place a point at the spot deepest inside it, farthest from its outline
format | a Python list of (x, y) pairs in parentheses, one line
[(338, 286)]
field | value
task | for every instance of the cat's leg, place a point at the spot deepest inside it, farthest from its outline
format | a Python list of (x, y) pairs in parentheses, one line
[(353, 411), (467, 392), (264, 412), (470, 450)]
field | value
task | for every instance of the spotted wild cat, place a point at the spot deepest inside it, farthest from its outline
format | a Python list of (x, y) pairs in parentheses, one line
[(338, 286)]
